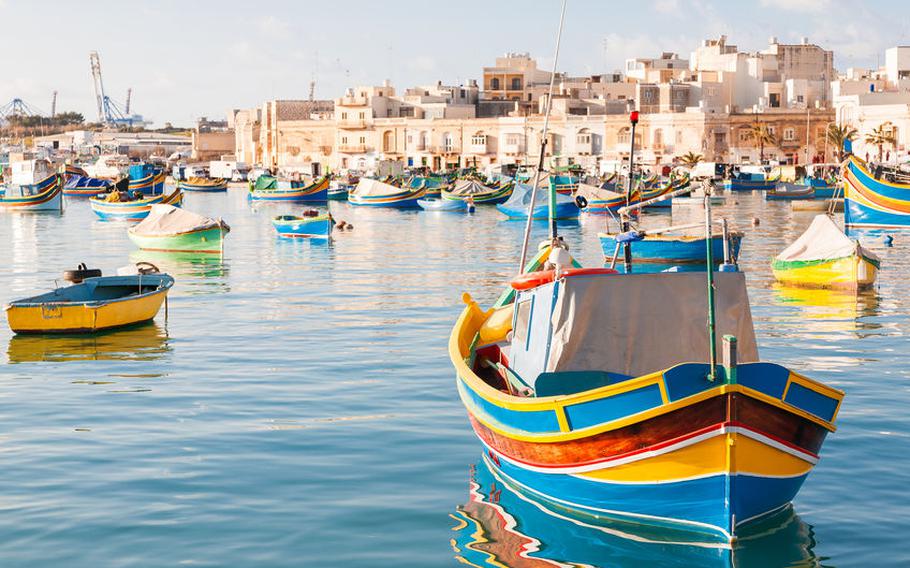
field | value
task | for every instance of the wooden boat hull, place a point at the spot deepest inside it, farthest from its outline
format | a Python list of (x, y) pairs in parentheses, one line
[(339, 193), (210, 240), (673, 249), (92, 315), (869, 202), (132, 210), (304, 227), (210, 186), (564, 211), (855, 272), (495, 197), (407, 199), (315, 192), (150, 185), (48, 198), (669, 449)]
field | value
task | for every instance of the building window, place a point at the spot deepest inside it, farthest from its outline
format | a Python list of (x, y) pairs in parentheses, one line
[(583, 138), (625, 136), (479, 139), (799, 98), (772, 130), (362, 116), (745, 135), (344, 140), (679, 136), (789, 134), (516, 84), (720, 138), (344, 116), (513, 139), (494, 83), (363, 140), (658, 137), (448, 142)]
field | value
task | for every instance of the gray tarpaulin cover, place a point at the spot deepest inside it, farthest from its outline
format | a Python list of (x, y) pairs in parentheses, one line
[(590, 192), (823, 240), (637, 324), (166, 220)]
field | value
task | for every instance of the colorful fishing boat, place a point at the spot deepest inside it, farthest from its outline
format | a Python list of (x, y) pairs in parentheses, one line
[(873, 200), (171, 229), (84, 186), (119, 205), (268, 188), (633, 426), (653, 192), (743, 181), (45, 195), (786, 191), (594, 200), (201, 184), (824, 257), (95, 304), (564, 184), (518, 205), (666, 248), (479, 193), (375, 193), (306, 227), (146, 179), (437, 204), (339, 189)]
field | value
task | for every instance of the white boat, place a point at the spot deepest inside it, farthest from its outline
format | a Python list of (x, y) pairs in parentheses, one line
[(109, 166)]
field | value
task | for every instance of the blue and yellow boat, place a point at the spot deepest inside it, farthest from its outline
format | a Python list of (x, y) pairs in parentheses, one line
[(872, 200), (95, 304), (589, 390), (118, 206), (375, 193), (518, 205), (46, 195), (146, 179), (304, 227), (268, 188), (672, 249)]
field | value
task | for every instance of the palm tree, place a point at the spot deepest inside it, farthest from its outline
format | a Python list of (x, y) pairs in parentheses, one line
[(759, 132), (879, 137), (837, 135), (691, 159)]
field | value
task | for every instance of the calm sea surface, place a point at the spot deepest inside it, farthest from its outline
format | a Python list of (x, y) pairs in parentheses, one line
[(297, 407)]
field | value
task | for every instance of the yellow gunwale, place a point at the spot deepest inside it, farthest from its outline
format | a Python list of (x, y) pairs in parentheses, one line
[(459, 348)]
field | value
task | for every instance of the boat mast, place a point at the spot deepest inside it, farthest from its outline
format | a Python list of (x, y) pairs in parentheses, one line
[(543, 147), (709, 257), (626, 225)]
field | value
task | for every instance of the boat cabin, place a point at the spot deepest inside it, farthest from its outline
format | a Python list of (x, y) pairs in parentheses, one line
[(25, 175), (591, 330)]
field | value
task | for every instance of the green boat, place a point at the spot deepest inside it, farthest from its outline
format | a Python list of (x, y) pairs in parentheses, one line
[(171, 229)]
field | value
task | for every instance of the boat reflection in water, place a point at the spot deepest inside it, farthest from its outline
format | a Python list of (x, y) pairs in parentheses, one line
[(499, 526), (824, 310), (196, 272), (143, 342)]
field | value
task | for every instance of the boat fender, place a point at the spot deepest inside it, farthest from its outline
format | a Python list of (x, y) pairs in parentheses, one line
[(755, 222), (889, 240), (629, 236), (80, 273), (581, 201), (530, 280)]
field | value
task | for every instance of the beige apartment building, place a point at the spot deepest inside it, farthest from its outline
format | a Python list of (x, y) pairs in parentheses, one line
[(705, 105)]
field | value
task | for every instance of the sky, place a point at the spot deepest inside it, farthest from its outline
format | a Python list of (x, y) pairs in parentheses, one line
[(193, 58)]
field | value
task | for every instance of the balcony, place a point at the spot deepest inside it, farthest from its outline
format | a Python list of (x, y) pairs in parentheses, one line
[(479, 149), (352, 123), (445, 150), (353, 148), (353, 102)]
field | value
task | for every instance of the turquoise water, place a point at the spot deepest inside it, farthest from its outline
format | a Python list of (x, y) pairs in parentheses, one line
[(297, 406)]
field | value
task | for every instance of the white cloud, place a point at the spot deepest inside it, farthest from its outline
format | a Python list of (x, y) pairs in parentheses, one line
[(667, 6), (797, 5)]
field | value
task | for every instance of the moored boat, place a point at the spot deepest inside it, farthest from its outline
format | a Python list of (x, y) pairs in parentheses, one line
[(742, 181), (45, 195), (664, 248), (375, 193), (872, 200), (146, 179), (479, 193), (786, 191), (437, 204), (824, 257), (171, 229), (518, 205), (305, 226), (84, 186), (95, 304), (268, 188), (200, 184), (119, 205)]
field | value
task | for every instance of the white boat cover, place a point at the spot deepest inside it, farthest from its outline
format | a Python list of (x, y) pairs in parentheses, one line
[(165, 220), (374, 188), (823, 240), (637, 324), (590, 192), (467, 187)]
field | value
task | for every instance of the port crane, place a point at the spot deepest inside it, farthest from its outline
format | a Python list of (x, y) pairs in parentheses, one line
[(18, 107), (109, 112)]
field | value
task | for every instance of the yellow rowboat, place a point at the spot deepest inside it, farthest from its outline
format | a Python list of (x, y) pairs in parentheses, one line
[(100, 303), (824, 257)]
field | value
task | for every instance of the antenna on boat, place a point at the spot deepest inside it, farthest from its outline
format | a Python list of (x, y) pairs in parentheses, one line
[(709, 257), (626, 225), (543, 148)]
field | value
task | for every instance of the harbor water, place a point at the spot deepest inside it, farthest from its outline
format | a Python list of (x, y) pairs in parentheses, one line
[(295, 405)]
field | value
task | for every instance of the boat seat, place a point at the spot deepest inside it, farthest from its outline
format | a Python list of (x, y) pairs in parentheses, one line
[(572, 382)]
